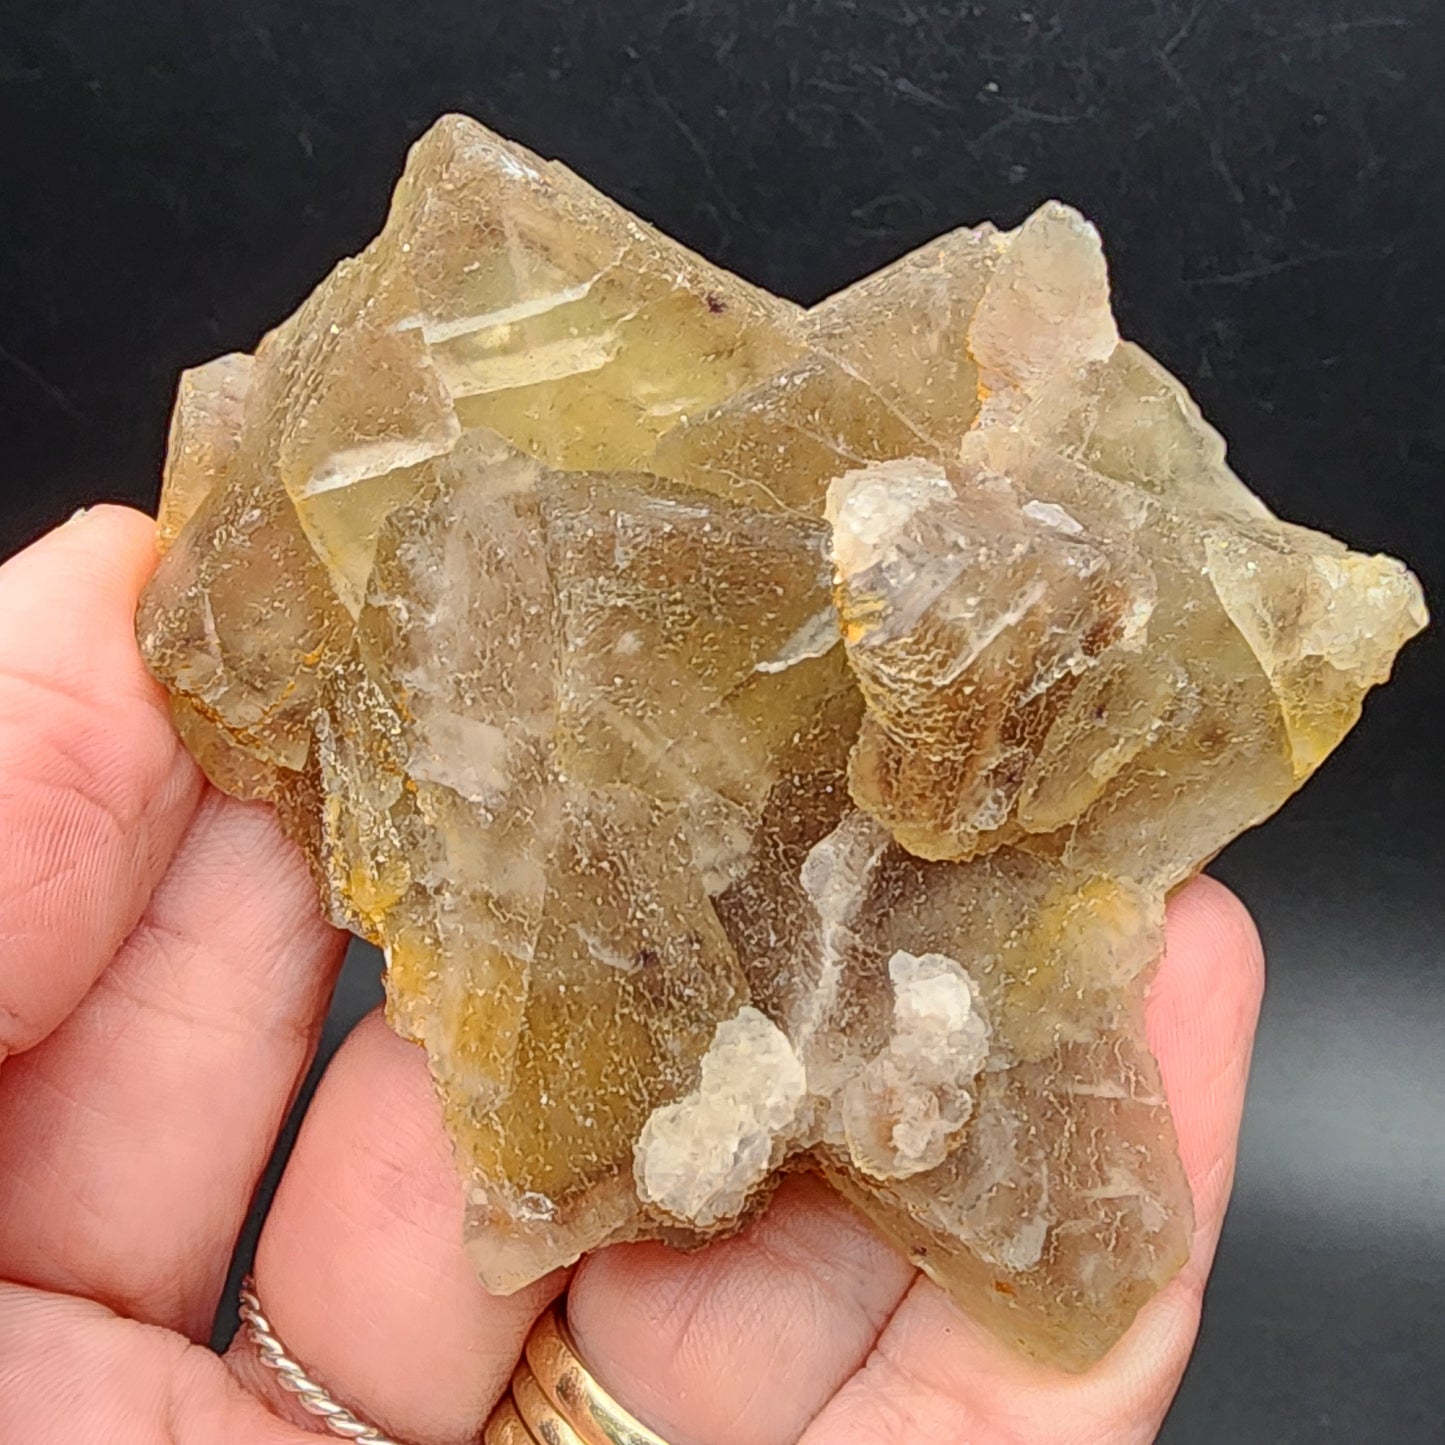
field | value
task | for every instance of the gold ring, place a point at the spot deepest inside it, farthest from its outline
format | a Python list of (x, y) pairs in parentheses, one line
[(554, 1399)]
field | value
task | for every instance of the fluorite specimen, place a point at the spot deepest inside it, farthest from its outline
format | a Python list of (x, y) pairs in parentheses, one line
[(758, 737)]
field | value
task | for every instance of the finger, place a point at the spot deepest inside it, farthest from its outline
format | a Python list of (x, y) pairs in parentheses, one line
[(95, 790), (749, 1340), (936, 1376), (746, 1341), (1202, 1013), (361, 1266), (72, 1371), (135, 1134)]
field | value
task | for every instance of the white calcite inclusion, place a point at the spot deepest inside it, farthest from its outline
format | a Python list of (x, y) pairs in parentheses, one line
[(902, 1109), (701, 1158)]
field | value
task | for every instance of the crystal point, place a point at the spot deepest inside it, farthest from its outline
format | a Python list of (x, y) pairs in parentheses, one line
[(759, 738)]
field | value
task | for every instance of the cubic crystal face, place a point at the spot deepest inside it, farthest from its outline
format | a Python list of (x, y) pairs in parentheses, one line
[(759, 738)]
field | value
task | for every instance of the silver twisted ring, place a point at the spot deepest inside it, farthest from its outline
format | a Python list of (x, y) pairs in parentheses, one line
[(553, 1398), (311, 1396)]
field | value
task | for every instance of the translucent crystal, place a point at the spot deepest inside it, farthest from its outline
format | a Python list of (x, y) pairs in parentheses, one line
[(757, 737)]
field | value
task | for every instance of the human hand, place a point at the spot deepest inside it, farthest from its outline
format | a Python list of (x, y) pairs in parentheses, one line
[(163, 978)]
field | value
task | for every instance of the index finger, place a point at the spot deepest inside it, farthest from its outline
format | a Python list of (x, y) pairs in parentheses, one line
[(95, 788)]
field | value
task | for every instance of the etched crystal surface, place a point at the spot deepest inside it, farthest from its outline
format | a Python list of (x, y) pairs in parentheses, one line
[(758, 737)]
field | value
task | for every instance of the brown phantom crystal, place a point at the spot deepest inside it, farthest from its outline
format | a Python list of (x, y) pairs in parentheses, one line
[(759, 738)]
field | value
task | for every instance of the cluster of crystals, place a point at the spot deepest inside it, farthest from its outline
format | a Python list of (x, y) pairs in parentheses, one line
[(758, 737)]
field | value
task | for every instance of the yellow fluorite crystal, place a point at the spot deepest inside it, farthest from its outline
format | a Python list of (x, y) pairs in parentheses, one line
[(757, 737)]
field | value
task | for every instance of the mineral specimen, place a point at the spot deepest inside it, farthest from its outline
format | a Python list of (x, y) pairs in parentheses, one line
[(759, 738)]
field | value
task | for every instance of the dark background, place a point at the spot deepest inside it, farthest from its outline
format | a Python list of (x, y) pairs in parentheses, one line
[(1268, 177)]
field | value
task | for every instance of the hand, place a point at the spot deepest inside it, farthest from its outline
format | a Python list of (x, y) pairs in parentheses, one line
[(163, 977)]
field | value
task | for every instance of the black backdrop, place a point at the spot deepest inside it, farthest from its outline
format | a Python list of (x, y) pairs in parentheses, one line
[(1268, 176)]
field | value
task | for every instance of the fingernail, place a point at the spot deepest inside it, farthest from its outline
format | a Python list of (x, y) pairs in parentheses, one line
[(76, 515)]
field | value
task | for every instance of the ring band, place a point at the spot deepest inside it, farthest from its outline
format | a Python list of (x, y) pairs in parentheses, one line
[(556, 1400), (290, 1375), (553, 1398)]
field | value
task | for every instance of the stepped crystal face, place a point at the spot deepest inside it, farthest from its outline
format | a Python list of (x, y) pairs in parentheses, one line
[(759, 738)]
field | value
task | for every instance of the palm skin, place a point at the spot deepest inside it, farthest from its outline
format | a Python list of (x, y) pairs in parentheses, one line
[(163, 978)]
